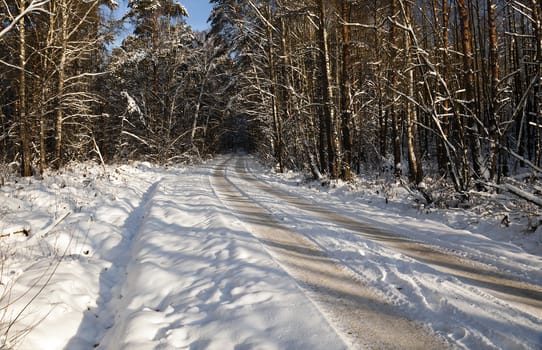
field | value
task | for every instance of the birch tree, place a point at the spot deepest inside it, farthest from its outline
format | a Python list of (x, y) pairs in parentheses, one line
[(22, 105)]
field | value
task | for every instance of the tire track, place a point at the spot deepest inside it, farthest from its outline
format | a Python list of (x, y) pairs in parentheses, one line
[(113, 283), (503, 287), (361, 316)]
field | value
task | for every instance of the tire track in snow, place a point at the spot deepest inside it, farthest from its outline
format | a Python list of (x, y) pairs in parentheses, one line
[(524, 295), (520, 298), (112, 284), (198, 281), (359, 315)]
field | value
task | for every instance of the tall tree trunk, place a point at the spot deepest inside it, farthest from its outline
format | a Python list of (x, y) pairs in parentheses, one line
[(537, 19), (277, 123), (26, 169), (494, 137), (60, 82), (414, 161), (327, 90), (198, 103), (346, 95), (286, 88), (46, 90), (441, 146), (154, 95), (468, 81), (397, 166), (314, 130)]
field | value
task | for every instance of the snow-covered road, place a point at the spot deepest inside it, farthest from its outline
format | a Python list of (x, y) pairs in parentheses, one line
[(361, 316), (198, 279), (222, 256), (476, 292), (501, 284)]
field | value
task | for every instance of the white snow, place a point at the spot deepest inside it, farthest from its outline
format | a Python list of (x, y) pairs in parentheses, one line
[(146, 257), (132, 106)]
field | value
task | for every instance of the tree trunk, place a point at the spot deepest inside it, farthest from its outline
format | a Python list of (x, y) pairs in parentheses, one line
[(26, 169), (414, 162), (441, 146), (45, 90), (537, 19), (397, 166), (346, 95), (60, 82), (198, 103), (284, 87), (494, 137), (468, 81), (277, 124), (327, 90)]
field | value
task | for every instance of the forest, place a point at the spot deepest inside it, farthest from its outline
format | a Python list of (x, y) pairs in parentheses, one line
[(445, 91)]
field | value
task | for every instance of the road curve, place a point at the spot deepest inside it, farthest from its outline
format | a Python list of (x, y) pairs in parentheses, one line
[(504, 286), (360, 316)]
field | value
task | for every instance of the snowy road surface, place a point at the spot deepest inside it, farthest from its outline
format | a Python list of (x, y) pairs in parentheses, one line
[(502, 285), (220, 256), (198, 279), (361, 316)]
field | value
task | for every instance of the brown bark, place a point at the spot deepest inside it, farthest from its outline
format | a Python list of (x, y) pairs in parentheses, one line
[(327, 91), (494, 81), (346, 96), (469, 84)]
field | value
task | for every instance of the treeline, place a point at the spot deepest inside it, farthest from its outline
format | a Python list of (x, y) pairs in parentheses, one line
[(48, 58), (65, 95), (430, 87), (447, 88)]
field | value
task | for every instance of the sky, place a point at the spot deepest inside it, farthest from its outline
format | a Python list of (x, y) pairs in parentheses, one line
[(198, 11)]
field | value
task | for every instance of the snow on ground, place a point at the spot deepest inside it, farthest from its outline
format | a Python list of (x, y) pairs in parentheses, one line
[(458, 308), (145, 257)]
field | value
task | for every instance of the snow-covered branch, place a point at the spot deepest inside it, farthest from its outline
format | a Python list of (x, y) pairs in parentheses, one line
[(34, 6)]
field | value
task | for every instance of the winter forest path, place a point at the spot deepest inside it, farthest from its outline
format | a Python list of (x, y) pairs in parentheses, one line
[(193, 277), (218, 258), (359, 314), (502, 285), (327, 275)]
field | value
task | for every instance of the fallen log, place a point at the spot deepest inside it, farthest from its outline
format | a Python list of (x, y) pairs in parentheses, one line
[(530, 197)]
